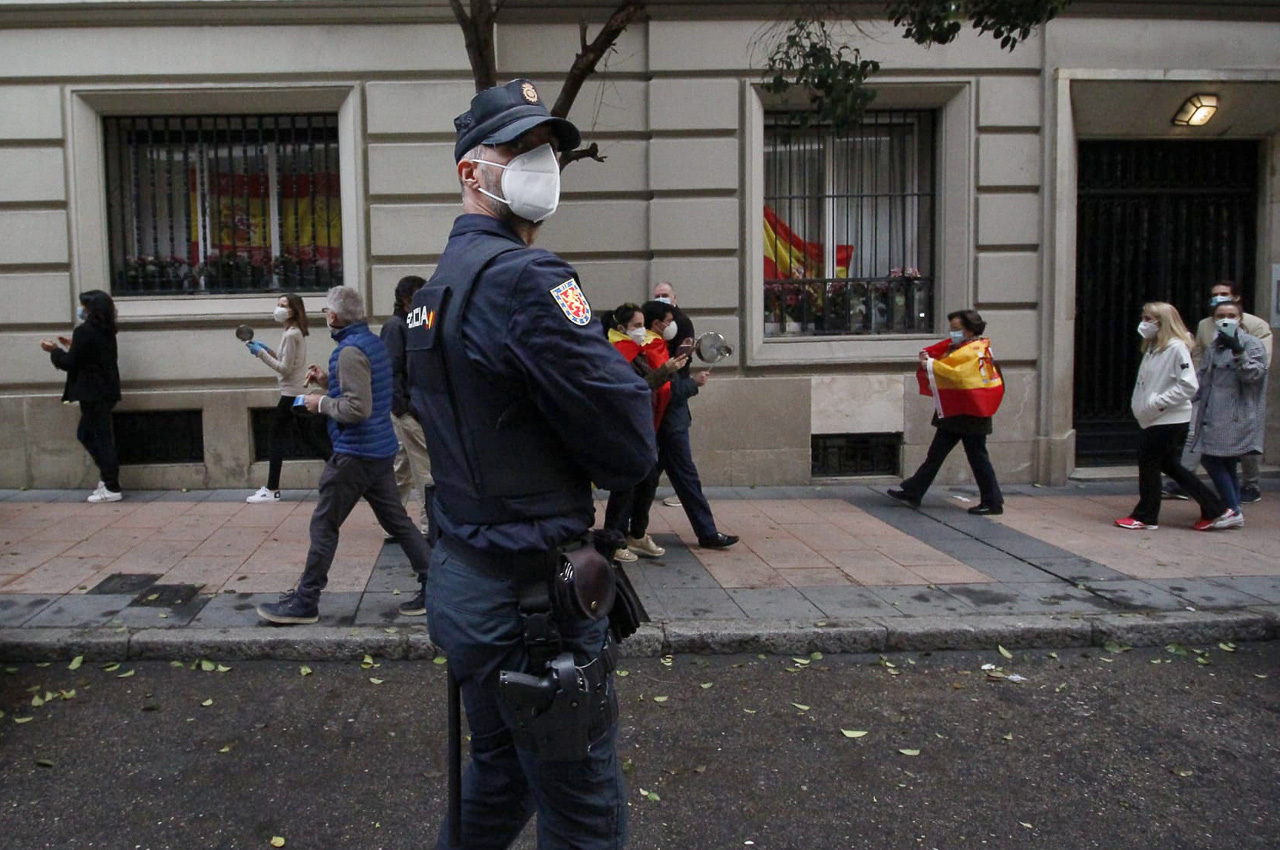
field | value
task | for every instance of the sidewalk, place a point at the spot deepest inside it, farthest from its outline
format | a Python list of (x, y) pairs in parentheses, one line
[(840, 568)]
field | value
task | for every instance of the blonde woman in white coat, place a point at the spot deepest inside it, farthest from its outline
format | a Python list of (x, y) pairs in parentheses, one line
[(1162, 405)]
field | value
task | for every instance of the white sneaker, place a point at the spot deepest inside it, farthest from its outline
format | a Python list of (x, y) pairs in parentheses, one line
[(102, 494), (645, 546), (264, 495), (1230, 519), (672, 501), (626, 556)]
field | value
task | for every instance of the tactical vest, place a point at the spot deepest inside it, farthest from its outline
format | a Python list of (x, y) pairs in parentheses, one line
[(374, 437), (494, 458)]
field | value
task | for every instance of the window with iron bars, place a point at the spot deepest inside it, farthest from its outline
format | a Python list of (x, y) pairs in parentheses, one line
[(223, 203), (849, 226)]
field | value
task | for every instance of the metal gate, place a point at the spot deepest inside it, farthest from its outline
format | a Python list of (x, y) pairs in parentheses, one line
[(1157, 221)]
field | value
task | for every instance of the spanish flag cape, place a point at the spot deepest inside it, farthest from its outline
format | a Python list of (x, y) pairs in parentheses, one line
[(963, 382), (655, 354)]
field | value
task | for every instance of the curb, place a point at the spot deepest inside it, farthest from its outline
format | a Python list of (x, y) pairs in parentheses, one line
[(697, 637)]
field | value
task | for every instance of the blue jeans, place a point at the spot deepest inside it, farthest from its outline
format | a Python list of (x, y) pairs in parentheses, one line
[(1226, 478), (474, 617)]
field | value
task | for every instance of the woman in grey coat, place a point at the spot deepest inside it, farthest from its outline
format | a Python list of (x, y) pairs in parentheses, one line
[(1231, 405)]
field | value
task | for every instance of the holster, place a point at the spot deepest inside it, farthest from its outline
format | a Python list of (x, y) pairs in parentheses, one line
[(559, 714)]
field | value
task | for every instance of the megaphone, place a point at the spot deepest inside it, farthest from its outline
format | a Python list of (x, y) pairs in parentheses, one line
[(711, 347), (244, 333)]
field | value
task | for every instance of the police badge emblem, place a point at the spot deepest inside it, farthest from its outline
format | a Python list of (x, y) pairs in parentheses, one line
[(573, 302), (529, 92)]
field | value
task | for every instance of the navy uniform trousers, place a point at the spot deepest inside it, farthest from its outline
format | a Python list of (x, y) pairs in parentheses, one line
[(474, 616)]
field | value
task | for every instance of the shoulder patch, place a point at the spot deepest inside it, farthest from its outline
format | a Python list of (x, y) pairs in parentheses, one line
[(573, 302)]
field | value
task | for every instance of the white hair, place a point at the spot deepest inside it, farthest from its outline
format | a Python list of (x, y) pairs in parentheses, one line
[(345, 303)]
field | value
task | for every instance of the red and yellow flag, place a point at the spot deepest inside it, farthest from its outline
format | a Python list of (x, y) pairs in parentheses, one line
[(963, 382)]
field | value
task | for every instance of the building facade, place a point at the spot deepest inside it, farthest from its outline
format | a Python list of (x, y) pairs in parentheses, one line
[(199, 159)]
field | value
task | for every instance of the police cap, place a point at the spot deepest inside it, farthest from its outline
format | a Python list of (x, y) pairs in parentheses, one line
[(503, 113)]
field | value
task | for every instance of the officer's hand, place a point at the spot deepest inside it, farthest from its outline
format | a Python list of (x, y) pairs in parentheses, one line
[(312, 402), (700, 378)]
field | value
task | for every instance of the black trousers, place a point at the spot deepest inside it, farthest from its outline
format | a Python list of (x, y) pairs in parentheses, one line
[(345, 481), (1160, 450), (94, 433), (975, 449), (675, 457), (286, 422), (627, 511)]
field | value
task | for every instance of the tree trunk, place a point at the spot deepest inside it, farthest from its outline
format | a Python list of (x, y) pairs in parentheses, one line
[(477, 31)]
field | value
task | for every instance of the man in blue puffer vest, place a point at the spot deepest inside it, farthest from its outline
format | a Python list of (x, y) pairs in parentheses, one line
[(358, 406)]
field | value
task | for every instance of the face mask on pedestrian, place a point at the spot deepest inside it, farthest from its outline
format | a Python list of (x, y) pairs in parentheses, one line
[(637, 335), (531, 183), (663, 298), (957, 337), (1228, 327), (1219, 299), (670, 331), (1147, 330), (280, 314), (80, 313)]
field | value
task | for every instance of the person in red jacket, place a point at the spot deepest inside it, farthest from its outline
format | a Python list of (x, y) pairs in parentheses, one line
[(637, 334)]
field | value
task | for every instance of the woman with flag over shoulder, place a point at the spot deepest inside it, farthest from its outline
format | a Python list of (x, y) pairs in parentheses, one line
[(961, 375)]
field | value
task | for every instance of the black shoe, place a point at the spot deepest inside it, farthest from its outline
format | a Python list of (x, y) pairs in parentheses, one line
[(720, 541), (291, 610), (986, 510), (1173, 491), (901, 495), (417, 606), (1249, 495)]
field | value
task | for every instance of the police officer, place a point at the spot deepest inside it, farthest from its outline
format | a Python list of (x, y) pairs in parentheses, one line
[(524, 404)]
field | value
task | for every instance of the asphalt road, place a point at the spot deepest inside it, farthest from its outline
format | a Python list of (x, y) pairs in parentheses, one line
[(1138, 749)]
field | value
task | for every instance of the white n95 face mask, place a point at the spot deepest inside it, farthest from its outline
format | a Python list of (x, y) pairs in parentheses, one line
[(280, 314), (1147, 330), (637, 335), (531, 183), (670, 331), (1228, 326)]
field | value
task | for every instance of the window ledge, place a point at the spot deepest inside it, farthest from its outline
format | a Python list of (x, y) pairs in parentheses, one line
[(883, 349)]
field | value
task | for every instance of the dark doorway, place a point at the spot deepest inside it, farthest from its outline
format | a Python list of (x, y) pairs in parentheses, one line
[(1157, 221)]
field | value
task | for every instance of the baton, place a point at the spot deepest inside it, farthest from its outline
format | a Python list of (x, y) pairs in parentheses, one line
[(455, 764)]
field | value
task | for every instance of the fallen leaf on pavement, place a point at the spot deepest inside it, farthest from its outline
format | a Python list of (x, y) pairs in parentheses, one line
[(1006, 653), (76, 662), (910, 752), (853, 733), (304, 670)]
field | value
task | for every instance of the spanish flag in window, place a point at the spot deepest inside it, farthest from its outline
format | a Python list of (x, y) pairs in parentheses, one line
[(963, 382)]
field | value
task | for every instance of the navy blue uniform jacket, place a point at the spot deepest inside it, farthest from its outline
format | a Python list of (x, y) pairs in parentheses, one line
[(516, 333)]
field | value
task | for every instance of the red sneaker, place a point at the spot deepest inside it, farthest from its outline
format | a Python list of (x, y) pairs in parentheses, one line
[(1230, 519), (1135, 525)]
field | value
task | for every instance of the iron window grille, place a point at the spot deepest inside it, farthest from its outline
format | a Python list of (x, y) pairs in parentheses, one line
[(838, 455), (223, 203), (849, 225)]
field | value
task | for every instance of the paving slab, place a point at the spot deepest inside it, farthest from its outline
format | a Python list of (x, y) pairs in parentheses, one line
[(924, 601), (849, 602), (785, 603), (72, 611), (696, 603), (18, 608), (1207, 593), (1138, 595)]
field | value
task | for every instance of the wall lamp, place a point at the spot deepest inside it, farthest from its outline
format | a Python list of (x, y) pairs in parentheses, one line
[(1198, 110)]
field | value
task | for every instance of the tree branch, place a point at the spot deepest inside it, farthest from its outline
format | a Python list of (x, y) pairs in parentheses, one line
[(591, 151), (584, 64)]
